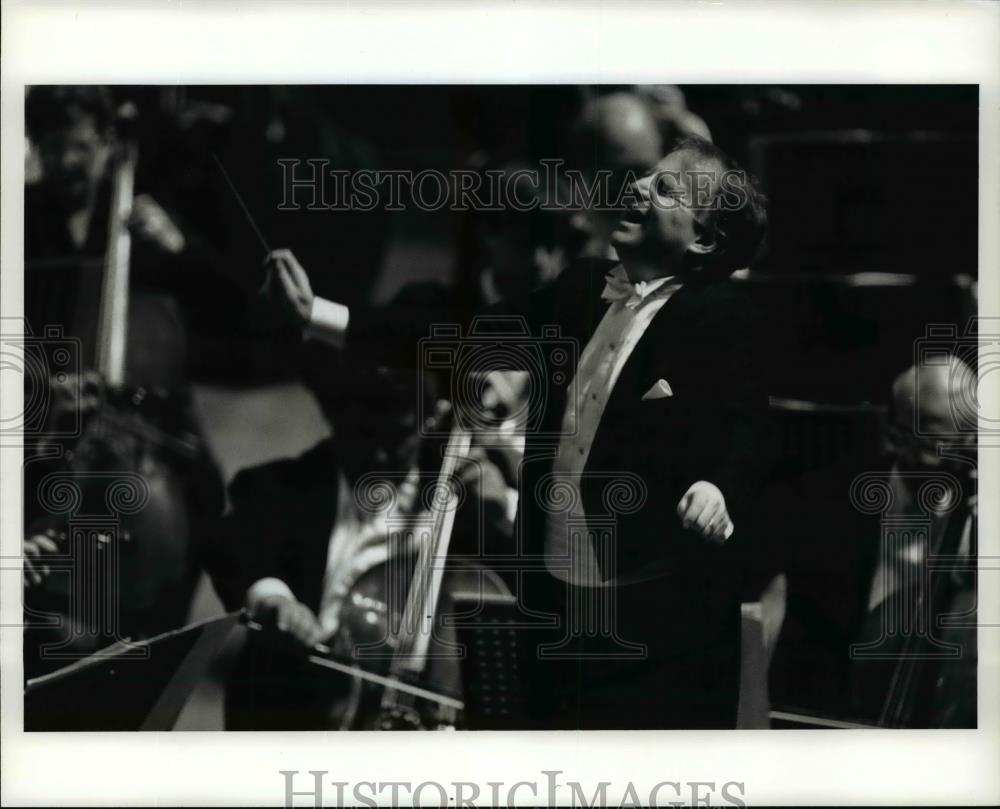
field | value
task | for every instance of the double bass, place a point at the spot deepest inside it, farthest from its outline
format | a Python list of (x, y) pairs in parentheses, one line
[(120, 495)]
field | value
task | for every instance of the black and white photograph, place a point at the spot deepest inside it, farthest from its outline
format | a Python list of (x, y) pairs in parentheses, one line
[(639, 403)]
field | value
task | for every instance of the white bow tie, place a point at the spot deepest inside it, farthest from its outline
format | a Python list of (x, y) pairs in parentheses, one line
[(619, 287)]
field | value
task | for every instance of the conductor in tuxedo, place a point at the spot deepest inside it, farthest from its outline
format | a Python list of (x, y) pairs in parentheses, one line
[(655, 441)]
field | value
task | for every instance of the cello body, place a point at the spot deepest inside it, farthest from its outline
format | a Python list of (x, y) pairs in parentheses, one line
[(120, 574), (395, 659), (280, 687), (372, 621)]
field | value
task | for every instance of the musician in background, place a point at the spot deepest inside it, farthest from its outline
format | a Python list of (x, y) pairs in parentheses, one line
[(669, 107), (301, 533), (615, 133), (73, 133), (924, 437)]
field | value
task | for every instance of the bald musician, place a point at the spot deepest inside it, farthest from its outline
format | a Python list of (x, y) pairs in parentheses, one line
[(929, 396), (926, 441), (615, 133)]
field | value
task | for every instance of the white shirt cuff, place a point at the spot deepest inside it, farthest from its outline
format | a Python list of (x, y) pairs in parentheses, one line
[(510, 504), (327, 322), (262, 588), (729, 530)]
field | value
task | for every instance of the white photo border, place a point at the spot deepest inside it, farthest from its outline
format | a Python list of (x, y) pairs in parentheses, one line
[(507, 42)]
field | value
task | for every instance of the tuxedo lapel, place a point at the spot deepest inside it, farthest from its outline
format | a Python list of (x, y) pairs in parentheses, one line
[(657, 350), (580, 308)]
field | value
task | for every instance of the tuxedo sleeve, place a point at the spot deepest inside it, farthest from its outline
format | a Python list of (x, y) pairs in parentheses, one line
[(740, 388), (731, 429)]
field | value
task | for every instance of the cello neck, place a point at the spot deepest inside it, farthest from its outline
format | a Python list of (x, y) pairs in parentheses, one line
[(112, 324), (417, 623)]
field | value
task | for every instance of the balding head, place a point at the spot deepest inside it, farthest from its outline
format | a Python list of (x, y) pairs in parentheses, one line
[(935, 393), (669, 108), (614, 133), (929, 401), (617, 131)]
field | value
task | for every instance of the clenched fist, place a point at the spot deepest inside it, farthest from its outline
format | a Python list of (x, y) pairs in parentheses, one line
[(703, 509)]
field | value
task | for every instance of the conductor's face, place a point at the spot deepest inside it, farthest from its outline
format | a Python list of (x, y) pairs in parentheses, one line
[(663, 228)]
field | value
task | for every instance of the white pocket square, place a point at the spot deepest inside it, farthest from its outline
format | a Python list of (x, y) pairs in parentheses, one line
[(661, 390)]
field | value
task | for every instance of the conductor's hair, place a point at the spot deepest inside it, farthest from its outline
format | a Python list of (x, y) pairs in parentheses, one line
[(740, 228)]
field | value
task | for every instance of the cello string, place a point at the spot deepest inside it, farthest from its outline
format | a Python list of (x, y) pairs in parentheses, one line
[(421, 602), (419, 598), (242, 204)]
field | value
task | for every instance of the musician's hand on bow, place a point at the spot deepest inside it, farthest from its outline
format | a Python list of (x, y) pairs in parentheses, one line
[(35, 548), (288, 286), (703, 509), (150, 223), (292, 619)]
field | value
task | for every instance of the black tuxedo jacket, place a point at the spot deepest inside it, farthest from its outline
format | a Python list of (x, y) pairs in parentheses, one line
[(645, 454), (702, 343)]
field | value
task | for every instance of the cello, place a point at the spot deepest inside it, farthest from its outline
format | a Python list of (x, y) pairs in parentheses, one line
[(395, 661), (117, 494)]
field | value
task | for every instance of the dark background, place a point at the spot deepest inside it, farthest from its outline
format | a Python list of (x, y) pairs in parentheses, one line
[(873, 205)]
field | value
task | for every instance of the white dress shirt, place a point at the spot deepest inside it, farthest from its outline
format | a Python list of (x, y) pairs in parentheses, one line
[(569, 554)]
